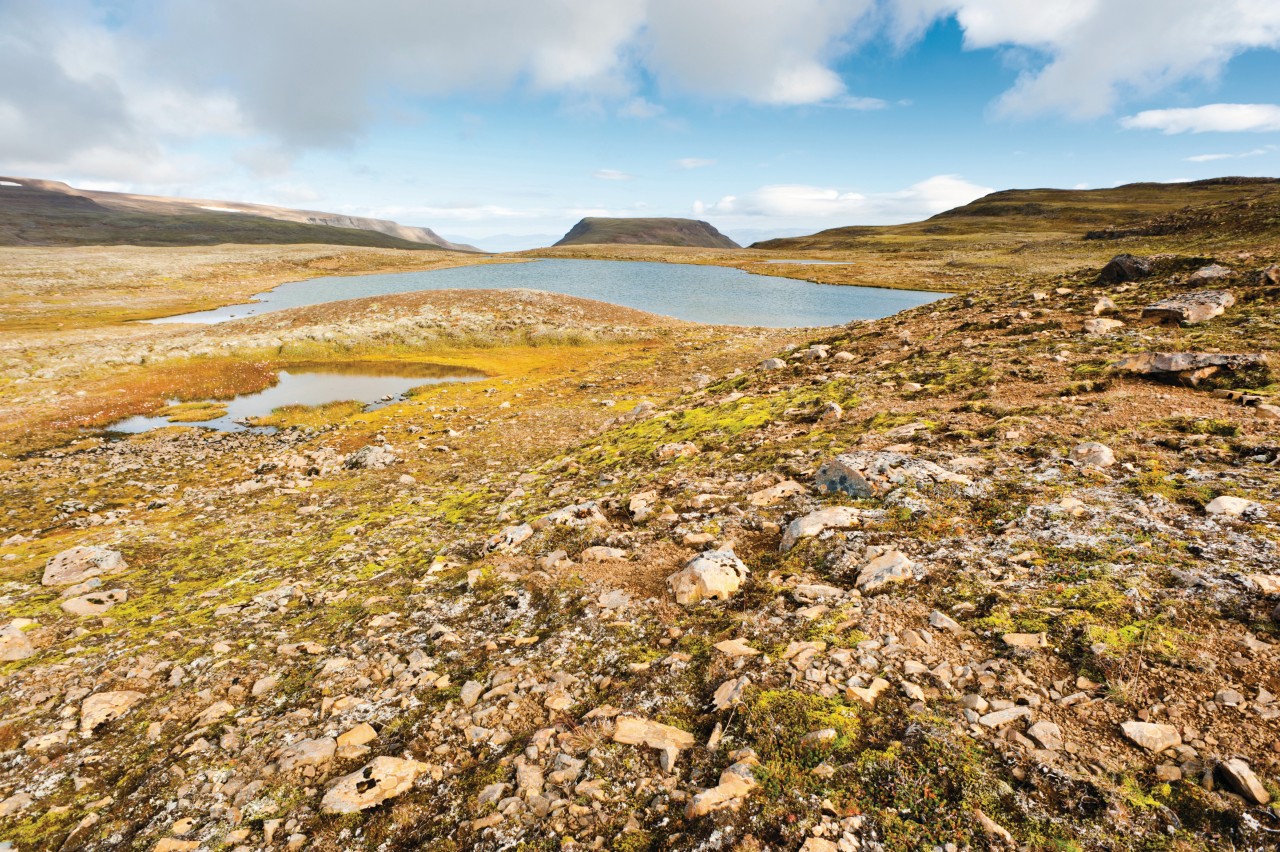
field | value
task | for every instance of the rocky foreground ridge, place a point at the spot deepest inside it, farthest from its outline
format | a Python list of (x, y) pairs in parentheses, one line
[(995, 573)]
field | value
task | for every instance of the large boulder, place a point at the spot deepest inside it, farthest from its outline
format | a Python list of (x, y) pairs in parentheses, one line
[(384, 778), (714, 574), (372, 457), (1190, 308), (874, 474), (79, 564), (102, 707), (14, 644), (1189, 367), (1124, 267)]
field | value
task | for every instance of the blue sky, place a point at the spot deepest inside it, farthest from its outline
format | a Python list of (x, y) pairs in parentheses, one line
[(517, 117)]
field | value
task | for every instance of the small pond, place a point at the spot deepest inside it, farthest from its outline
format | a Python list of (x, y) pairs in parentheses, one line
[(709, 294), (374, 385)]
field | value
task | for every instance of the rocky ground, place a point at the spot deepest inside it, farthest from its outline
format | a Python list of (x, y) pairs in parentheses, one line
[(993, 573)]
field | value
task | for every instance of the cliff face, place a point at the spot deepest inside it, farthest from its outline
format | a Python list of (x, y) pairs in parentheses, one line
[(646, 231), (46, 212)]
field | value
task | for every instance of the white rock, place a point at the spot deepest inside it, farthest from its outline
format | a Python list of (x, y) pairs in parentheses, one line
[(79, 564), (1152, 736), (1094, 454), (885, 566), (384, 778), (715, 574), (1231, 507), (105, 706), (814, 523)]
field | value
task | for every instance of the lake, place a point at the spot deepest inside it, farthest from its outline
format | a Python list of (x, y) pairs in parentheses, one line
[(708, 294), (374, 384)]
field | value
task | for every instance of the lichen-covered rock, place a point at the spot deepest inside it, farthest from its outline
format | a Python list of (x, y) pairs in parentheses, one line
[(1189, 367), (874, 474), (815, 523), (383, 778), (714, 574), (102, 707), (510, 538), (372, 457), (14, 644), (1190, 308), (94, 603), (885, 566), (78, 564), (1093, 454), (683, 449)]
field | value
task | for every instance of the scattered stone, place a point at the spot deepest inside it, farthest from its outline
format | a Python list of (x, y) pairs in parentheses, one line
[(104, 707), (736, 783), (1188, 367), (1212, 272), (1124, 267), (1026, 640), (815, 523), (832, 412), (729, 693), (772, 364), (1046, 734), (14, 644), (312, 752), (867, 696), (94, 603), (372, 457), (510, 538), (1190, 308), (384, 778), (736, 648), (1243, 780), (670, 741), (1152, 736), (684, 449), (714, 574), (600, 553), (885, 566), (1000, 718), (1231, 507), (776, 493), (874, 474), (361, 734), (79, 564), (1101, 325), (942, 621), (1093, 454)]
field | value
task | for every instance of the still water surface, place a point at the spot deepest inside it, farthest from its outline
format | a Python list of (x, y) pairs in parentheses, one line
[(375, 385), (710, 294)]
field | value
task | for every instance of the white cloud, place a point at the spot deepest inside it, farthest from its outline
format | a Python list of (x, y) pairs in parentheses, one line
[(610, 174), (641, 108), (1082, 57), (797, 201), (1256, 152), (1211, 118), (694, 162)]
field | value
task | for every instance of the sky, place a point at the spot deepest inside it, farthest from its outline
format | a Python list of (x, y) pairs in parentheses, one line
[(502, 122)]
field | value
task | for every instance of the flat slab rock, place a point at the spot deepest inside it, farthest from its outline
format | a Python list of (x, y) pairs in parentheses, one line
[(1188, 367), (874, 474), (103, 707), (1151, 736), (1190, 308), (14, 645), (383, 778), (78, 564)]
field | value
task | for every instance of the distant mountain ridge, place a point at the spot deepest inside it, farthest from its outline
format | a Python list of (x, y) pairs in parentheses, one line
[(1067, 212), (649, 231), (48, 212)]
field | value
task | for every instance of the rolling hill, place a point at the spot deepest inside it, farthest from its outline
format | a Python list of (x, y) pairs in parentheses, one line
[(689, 233), (1046, 213), (37, 212)]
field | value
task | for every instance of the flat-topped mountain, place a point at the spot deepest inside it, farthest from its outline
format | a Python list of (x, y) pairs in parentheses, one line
[(692, 233), (51, 213)]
